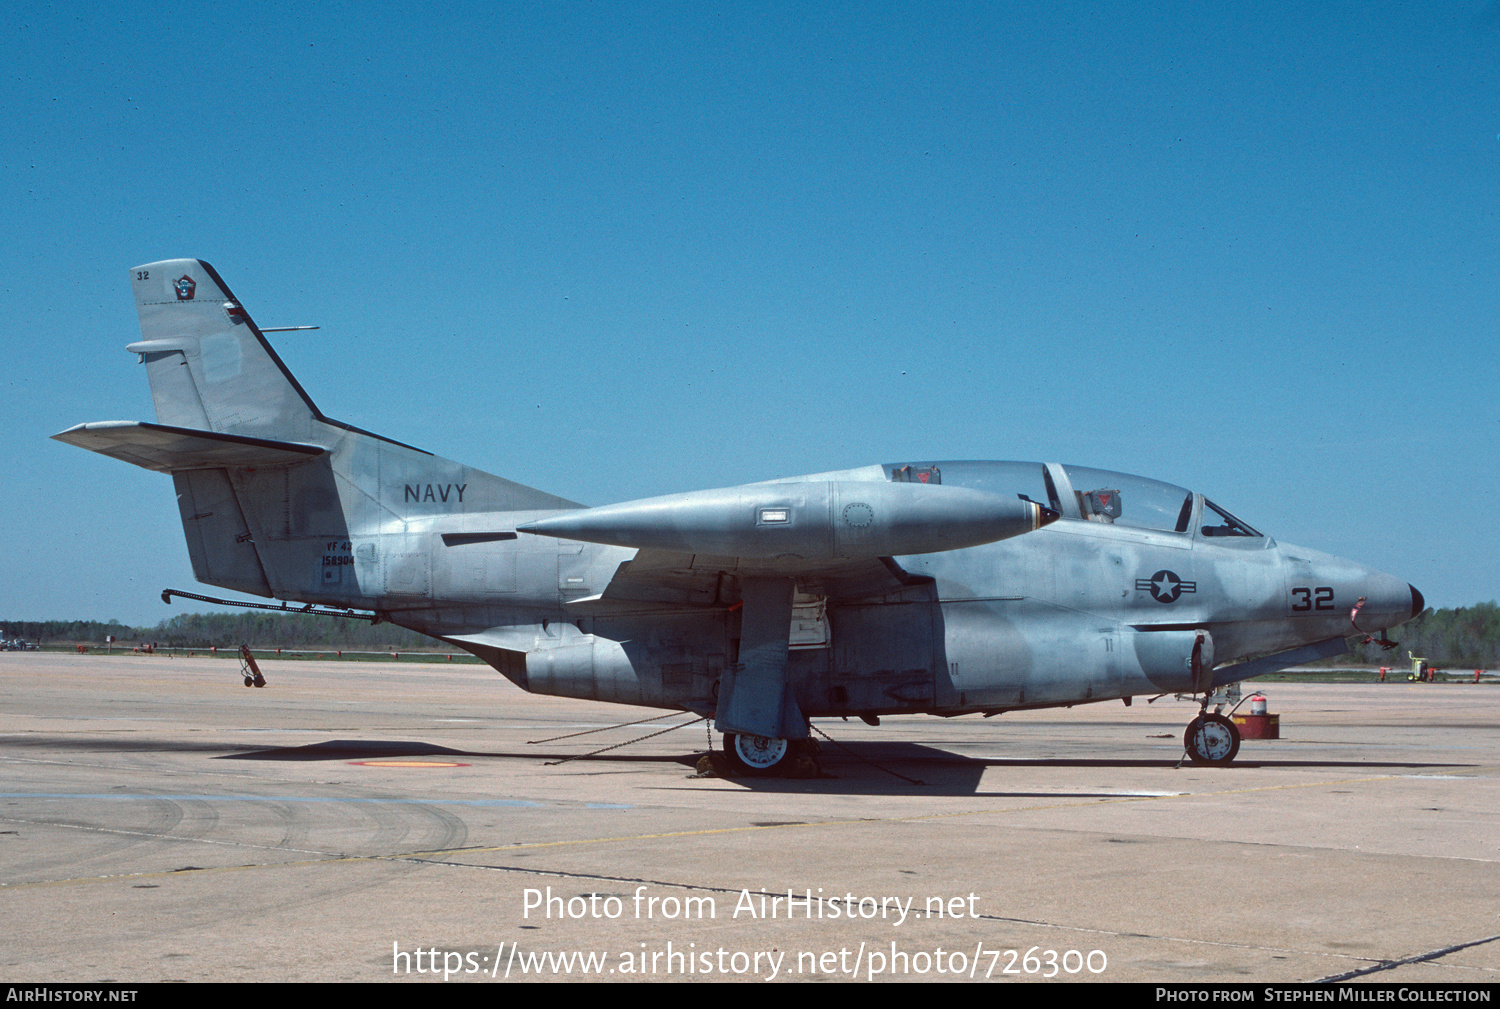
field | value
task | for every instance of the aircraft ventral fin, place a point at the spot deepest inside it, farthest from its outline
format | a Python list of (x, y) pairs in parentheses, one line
[(166, 449)]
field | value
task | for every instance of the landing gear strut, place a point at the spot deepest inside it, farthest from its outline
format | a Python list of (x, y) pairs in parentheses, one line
[(1211, 739)]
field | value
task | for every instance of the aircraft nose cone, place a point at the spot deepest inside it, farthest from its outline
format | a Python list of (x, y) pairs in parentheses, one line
[(1418, 604)]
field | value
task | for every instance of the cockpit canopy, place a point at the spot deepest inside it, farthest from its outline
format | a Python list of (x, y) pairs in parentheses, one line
[(1079, 492)]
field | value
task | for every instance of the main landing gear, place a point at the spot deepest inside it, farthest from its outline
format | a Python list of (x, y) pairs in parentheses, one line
[(1211, 739), (758, 755), (764, 757)]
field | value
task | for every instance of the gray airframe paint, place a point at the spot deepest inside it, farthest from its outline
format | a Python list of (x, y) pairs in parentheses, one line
[(979, 587)]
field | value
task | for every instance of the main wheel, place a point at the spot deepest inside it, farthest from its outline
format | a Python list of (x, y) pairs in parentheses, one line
[(757, 755), (1211, 739)]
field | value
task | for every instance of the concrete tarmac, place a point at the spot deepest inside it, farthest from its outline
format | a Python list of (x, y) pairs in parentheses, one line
[(377, 821)]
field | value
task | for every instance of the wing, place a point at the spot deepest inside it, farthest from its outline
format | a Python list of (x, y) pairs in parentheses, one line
[(658, 579), (755, 547)]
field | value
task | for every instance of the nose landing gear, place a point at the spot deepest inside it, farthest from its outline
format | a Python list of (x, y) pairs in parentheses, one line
[(1211, 739)]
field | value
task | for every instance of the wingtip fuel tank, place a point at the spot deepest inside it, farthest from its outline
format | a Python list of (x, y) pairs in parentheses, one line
[(823, 520)]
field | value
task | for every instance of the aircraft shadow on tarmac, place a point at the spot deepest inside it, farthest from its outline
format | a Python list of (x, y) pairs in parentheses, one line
[(354, 749), (855, 768)]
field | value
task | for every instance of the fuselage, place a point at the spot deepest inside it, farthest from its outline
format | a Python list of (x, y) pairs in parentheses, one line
[(1137, 589)]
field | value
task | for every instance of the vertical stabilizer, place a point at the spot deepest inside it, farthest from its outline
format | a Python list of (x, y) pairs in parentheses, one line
[(209, 366), (277, 499)]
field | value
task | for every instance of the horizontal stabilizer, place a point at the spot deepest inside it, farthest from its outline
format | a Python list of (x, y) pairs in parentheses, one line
[(167, 449)]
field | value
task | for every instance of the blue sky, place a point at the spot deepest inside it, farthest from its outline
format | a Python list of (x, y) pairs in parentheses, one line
[(621, 250)]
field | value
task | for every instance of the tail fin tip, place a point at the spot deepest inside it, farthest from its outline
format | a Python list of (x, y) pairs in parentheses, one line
[(208, 364)]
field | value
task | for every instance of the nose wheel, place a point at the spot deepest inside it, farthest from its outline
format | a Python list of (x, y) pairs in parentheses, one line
[(1211, 739)]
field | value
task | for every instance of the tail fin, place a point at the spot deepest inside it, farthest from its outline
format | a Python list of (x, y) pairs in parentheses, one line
[(210, 368), (276, 498)]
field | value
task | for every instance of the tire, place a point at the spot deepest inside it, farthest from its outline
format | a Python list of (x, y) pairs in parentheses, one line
[(1211, 739), (757, 756)]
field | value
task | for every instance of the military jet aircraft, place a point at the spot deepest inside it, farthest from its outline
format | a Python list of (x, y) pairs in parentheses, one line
[(921, 586)]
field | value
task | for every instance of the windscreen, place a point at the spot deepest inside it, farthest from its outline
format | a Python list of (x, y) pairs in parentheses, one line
[(1218, 522)]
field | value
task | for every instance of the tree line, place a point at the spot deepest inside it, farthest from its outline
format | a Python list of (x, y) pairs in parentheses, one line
[(1467, 637), (202, 630)]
